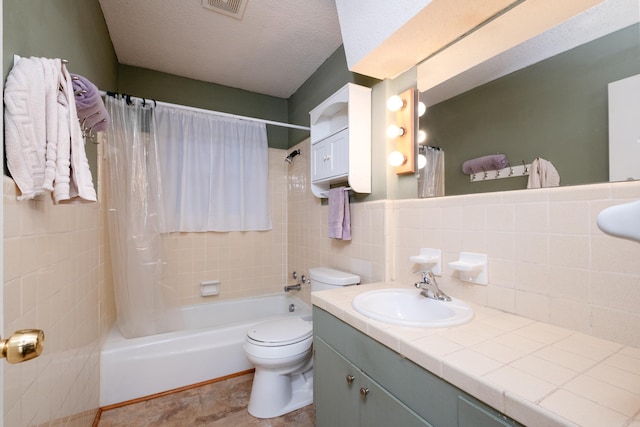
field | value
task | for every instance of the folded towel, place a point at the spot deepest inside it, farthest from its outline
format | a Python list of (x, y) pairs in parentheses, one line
[(92, 112), (486, 163), (339, 214), (543, 174)]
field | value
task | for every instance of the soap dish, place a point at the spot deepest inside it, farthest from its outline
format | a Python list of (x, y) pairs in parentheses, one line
[(429, 256), (471, 267)]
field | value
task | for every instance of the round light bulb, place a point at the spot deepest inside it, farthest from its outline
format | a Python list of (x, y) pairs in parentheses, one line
[(422, 108), (396, 158), (395, 103), (422, 161), (394, 131), (422, 136)]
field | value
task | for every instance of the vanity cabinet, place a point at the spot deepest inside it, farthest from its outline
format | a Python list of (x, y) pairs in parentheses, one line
[(352, 397), (341, 141), (399, 391)]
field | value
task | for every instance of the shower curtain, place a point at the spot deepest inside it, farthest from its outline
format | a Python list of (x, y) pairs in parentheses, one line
[(431, 176), (219, 169), (134, 221)]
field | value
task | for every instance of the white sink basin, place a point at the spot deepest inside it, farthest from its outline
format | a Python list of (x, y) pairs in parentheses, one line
[(407, 307)]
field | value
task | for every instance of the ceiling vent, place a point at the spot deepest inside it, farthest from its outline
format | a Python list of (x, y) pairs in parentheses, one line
[(233, 8)]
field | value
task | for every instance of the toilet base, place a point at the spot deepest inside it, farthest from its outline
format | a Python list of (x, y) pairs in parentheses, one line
[(275, 395)]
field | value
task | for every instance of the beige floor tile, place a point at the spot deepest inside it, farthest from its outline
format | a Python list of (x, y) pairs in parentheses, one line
[(212, 405)]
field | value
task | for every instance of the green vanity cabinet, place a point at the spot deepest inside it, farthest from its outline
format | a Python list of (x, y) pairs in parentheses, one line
[(399, 391), (346, 396)]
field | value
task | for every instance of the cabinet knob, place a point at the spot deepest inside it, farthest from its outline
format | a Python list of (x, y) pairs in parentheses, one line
[(350, 379), (364, 391)]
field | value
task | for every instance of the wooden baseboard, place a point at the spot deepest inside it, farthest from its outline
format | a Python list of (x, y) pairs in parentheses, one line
[(96, 421)]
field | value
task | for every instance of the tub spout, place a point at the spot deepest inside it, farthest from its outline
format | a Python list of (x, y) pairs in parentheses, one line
[(292, 287)]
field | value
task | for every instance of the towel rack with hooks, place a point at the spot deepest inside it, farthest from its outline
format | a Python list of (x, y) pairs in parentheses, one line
[(508, 172)]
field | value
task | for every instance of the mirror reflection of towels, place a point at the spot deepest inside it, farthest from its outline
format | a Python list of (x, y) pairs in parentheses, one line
[(339, 214), (543, 174)]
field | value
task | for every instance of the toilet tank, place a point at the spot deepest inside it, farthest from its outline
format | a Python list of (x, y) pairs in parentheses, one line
[(323, 278)]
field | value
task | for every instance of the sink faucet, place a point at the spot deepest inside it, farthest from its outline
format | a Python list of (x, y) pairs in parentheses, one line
[(430, 288)]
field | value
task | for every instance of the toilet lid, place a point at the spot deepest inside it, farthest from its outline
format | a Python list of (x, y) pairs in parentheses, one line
[(281, 331)]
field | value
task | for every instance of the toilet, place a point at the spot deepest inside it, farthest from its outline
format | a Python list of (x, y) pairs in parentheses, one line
[(280, 350)]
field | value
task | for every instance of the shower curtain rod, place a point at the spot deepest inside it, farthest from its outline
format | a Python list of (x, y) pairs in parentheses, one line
[(218, 113)]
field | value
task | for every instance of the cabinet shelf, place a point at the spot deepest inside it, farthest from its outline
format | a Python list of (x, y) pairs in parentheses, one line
[(341, 141)]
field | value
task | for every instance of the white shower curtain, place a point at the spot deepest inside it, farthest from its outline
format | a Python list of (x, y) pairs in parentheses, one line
[(215, 172), (143, 300)]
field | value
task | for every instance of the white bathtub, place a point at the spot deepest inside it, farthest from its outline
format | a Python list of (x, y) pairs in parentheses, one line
[(209, 347)]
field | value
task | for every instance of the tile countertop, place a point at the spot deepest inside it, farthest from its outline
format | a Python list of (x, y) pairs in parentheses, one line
[(536, 373)]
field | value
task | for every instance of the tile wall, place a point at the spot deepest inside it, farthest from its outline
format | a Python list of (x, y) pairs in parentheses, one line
[(308, 221), (548, 261), (246, 263), (55, 279)]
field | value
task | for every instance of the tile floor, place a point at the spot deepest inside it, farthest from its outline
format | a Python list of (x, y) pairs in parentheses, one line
[(218, 404)]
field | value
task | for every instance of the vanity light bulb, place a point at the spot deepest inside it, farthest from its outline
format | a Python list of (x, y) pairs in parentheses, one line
[(422, 108), (396, 158), (394, 131), (422, 161), (395, 103), (422, 136)]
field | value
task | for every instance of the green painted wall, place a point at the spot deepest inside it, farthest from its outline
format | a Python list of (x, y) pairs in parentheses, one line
[(556, 109), (71, 29), (195, 93), (328, 78)]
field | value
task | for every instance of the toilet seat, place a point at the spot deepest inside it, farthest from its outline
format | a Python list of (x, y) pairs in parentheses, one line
[(280, 332)]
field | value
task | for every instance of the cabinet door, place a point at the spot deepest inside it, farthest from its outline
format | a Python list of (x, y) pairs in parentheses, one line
[(379, 408), (471, 414), (330, 157), (336, 399)]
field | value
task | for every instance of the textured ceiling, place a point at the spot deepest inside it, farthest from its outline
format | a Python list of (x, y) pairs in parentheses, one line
[(273, 49)]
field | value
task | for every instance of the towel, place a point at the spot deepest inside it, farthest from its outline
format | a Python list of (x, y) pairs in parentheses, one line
[(339, 214), (81, 184), (486, 163), (91, 110), (44, 145), (543, 174), (26, 131)]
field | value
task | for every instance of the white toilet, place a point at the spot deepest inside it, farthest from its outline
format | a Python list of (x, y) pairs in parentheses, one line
[(281, 353)]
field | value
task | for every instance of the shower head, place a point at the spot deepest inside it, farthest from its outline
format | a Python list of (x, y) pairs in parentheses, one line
[(291, 155)]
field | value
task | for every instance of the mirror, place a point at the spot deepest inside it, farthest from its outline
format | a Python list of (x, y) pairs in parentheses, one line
[(555, 109)]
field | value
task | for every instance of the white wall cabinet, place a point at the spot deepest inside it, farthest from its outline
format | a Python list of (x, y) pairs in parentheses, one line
[(341, 141)]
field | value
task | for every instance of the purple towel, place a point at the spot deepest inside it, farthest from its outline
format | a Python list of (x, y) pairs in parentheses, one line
[(486, 163), (339, 214), (92, 113)]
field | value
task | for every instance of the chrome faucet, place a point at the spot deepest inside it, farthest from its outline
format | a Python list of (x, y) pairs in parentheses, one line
[(430, 288), (292, 287)]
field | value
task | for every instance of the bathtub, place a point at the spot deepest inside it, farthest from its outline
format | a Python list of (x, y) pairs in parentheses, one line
[(210, 346)]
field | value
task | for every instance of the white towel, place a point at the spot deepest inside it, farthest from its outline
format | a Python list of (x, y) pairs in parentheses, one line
[(44, 145), (543, 174), (25, 126), (339, 214), (81, 185)]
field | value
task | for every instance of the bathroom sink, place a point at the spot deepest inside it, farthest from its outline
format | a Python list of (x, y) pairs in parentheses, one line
[(408, 308)]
